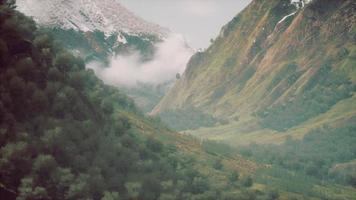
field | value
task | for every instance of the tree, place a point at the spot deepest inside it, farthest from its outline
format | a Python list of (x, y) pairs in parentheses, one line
[(54, 74), (111, 196), (273, 195), (64, 61), (10, 3), (79, 188), (3, 52), (107, 106), (44, 166), (39, 101), (218, 164), (199, 185), (17, 86), (234, 177), (12, 156), (133, 189), (28, 190), (154, 144), (178, 76), (247, 181)]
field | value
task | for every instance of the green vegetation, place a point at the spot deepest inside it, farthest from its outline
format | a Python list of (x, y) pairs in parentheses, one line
[(246, 75), (189, 118), (141, 43), (285, 74), (285, 180), (65, 135), (218, 148), (146, 96), (230, 27), (96, 46), (322, 91), (230, 62), (314, 156), (287, 71)]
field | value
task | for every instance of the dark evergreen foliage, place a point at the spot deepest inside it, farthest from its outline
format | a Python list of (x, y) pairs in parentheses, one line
[(64, 134)]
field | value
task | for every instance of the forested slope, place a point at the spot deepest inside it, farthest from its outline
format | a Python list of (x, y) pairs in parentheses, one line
[(66, 135)]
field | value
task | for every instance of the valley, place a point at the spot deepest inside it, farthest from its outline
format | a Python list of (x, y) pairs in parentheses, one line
[(98, 103)]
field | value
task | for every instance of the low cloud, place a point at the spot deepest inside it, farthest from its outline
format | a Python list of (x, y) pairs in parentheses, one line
[(171, 57)]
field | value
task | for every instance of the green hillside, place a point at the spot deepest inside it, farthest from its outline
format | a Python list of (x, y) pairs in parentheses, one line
[(281, 73), (279, 86), (66, 135), (267, 112)]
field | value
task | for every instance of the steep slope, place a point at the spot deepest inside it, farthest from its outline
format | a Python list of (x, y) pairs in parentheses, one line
[(100, 32), (66, 135), (108, 16), (94, 29), (280, 82), (278, 62)]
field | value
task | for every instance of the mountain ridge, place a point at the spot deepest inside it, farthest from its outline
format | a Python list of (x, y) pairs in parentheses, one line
[(108, 16), (261, 65)]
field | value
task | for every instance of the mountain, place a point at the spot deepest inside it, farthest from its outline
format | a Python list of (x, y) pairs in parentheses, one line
[(107, 16), (276, 66), (66, 135), (99, 31), (278, 84), (93, 29)]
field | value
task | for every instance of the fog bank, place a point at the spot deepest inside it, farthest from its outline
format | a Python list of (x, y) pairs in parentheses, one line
[(170, 58)]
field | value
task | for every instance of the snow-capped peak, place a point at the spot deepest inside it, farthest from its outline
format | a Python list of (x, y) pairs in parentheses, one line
[(107, 16)]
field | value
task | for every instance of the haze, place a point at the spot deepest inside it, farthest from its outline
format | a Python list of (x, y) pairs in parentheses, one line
[(197, 20), (170, 58)]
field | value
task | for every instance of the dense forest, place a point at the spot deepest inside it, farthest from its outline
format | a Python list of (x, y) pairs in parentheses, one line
[(60, 135), (64, 134)]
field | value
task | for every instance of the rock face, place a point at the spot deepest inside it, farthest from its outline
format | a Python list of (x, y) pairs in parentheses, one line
[(107, 16), (271, 61)]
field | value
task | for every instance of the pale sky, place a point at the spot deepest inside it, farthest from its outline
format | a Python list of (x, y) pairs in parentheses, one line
[(197, 20)]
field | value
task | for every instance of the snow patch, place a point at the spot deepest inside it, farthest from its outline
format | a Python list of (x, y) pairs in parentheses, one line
[(285, 17), (121, 39), (107, 16), (299, 4)]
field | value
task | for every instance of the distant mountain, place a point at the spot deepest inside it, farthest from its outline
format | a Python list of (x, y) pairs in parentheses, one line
[(93, 29), (107, 16), (278, 64), (66, 135), (97, 31)]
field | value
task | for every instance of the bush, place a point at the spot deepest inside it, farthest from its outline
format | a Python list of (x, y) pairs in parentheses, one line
[(247, 181)]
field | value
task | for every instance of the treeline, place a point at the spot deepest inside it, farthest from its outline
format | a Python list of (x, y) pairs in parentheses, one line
[(65, 135), (315, 155), (96, 46), (60, 136), (324, 89)]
